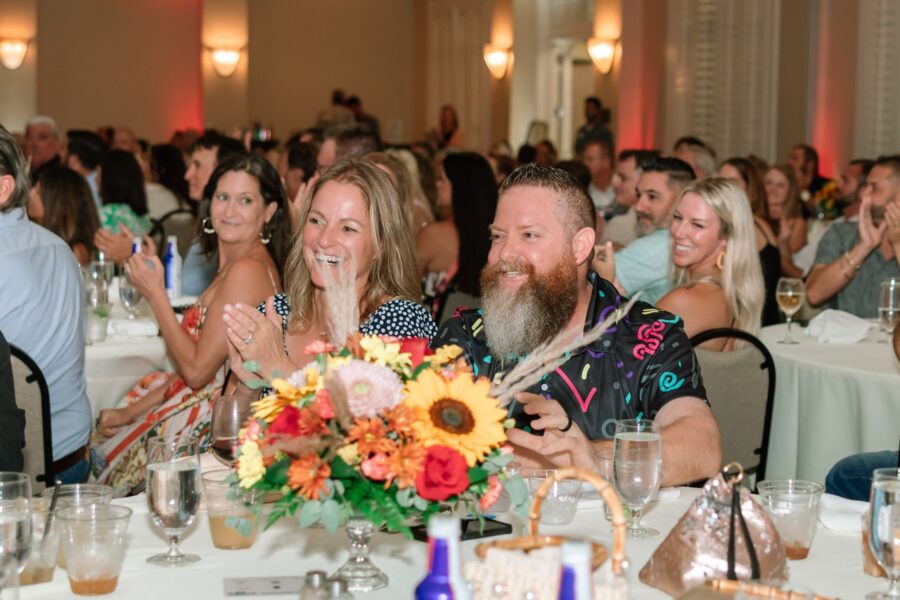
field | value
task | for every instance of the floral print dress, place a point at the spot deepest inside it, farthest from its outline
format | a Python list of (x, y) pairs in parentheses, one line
[(120, 460)]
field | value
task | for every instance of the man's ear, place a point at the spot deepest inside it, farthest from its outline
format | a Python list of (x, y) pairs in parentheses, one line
[(7, 185), (583, 244)]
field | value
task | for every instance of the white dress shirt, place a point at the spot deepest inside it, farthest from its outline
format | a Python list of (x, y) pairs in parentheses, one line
[(42, 312)]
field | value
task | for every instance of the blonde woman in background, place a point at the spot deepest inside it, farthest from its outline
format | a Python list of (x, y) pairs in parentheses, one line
[(422, 212), (402, 180), (717, 274)]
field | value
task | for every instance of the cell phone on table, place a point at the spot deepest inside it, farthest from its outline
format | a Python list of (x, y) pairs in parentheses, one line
[(471, 529)]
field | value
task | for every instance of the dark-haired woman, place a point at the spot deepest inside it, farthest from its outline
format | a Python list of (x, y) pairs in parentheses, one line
[(122, 193), (244, 218), (456, 250), (62, 202)]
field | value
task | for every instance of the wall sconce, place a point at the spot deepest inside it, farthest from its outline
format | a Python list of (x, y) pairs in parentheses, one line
[(498, 60), (603, 53), (225, 60), (12, 53)]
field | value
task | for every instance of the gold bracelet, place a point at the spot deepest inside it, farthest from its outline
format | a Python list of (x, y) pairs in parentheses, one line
[(850, 262)]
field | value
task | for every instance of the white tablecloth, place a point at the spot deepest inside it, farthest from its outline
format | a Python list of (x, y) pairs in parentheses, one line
[(834, 565), (114, 365), (831, 401)]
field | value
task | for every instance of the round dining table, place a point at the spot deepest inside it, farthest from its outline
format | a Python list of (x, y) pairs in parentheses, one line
[(833, 567), (831, 401)]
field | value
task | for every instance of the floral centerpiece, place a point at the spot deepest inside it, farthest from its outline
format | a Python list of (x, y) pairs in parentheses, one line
[(382, 428)]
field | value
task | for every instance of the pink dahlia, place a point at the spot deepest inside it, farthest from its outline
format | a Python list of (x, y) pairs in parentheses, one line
[(367, 388)]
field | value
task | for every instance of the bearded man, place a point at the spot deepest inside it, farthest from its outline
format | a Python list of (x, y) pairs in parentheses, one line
[(537, 283)]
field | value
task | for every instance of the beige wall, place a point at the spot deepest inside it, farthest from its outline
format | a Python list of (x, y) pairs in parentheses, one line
[(300, 51), (608, 26), (501, 35), (225, 25), (18, 89), (793, 77), (108, 62)]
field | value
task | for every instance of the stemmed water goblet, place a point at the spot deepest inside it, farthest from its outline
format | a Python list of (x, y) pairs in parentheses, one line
[(889, 305), (228, 417), (173, 491), (15, 527), (129, 295), (637, 469), (884, 528), (790, 294)]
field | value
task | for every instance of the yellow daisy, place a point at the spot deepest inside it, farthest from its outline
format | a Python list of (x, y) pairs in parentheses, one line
[(444, 354), (386, 354), (250, 465), (287, 393), (458, 413)]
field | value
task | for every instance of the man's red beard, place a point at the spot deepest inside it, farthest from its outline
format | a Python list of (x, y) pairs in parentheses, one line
[(516, 322)]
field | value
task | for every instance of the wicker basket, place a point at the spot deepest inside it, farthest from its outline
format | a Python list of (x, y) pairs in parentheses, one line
[(534, 540)]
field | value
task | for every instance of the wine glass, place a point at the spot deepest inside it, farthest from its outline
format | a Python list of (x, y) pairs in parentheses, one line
[(884, 528), (790, 294), (173, 491), (15, 527), (228, 417), (129, 295), (637, 469), (889, 305)]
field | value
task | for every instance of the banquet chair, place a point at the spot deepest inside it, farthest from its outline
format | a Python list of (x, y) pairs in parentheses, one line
[(181, 222), (740, 385), (33, 396)]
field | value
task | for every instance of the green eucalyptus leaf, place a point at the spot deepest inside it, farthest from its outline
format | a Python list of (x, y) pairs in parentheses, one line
[(331, 515), (516, 490), (310, 512), (250, 365), (243, 526), (255, 384)]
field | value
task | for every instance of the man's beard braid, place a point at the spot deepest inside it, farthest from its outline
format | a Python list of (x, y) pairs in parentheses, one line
[(516, 323)]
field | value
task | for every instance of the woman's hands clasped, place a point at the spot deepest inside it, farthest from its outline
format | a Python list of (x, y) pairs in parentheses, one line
[(253, 336)]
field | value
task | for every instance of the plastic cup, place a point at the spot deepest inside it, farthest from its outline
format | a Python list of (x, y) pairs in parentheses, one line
[(75, 495), (93, 542), (793, 506), (42, 560), (233, 512), (96, 323), (561, 502)]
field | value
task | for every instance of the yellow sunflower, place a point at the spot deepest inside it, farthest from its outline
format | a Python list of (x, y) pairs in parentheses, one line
[(457, 413)]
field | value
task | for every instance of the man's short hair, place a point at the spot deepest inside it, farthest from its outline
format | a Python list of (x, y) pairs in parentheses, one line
[(303, 156), (573, 205), (576, 169), (593, 100), (639, 156), (892, 162), (44, 120), (352, 101), (603, 143), (679, 172), (87, 146), (865, 165), (12, 162), (223, 145), (354, 141)]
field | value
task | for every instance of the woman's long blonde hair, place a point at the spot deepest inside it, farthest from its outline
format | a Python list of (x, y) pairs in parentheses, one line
[(394, 273), (742, 279)]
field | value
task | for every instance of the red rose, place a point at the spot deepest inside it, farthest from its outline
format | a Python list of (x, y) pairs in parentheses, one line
[(287, 422), (417, 348), (443, 474)]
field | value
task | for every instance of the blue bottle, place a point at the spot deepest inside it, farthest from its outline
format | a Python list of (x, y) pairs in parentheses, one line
[(172, 265), (444, 580), (575, 580)]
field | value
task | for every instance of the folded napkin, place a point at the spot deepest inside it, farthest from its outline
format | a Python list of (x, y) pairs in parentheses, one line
[(838, 327), (840, 514), (129, 328)]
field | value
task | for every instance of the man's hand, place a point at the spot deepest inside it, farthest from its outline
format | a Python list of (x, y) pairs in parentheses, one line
[(892, 219), (563, 448), (605, 261), (870, 236)]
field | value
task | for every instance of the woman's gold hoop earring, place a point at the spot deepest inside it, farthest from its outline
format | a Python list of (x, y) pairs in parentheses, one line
[(720, 261), (207, 226)]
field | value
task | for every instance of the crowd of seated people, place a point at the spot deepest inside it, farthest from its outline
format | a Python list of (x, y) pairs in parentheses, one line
[(537, 246)]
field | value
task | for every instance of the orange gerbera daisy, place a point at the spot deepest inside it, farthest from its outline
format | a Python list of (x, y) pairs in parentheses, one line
[(370, 436), (307, 475), (310, 422), (400, 420), (405, 463)]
